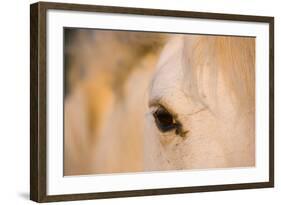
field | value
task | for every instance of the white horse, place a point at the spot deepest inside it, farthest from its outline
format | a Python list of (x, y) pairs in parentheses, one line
[(191, 108), (202, 105)]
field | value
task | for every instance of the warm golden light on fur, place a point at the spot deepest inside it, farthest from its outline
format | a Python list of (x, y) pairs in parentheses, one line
[(207, 83)]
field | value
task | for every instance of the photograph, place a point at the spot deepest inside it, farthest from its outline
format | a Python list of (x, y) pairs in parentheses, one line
[(138, 101), (129, 101)]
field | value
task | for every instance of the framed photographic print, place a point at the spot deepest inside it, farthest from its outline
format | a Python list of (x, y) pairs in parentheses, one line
[(133, 102)]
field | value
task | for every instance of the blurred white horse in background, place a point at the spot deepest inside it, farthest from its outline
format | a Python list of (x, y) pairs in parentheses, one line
[(131, 109), (108, 75)]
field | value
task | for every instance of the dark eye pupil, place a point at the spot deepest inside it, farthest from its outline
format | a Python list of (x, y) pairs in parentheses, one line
[(164, 120)]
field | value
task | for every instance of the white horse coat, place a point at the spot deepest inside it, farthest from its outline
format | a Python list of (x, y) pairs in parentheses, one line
[(205, 84)]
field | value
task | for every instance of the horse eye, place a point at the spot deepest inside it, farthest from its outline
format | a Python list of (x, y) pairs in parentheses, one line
[(164, 120)]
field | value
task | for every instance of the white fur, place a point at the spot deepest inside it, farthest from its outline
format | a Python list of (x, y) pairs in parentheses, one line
[(215, 139)]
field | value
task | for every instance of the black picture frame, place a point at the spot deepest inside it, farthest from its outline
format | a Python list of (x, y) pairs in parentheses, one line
[(38, 100)]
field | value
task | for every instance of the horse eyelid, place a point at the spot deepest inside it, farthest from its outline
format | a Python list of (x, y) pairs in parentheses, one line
[(158, 102)]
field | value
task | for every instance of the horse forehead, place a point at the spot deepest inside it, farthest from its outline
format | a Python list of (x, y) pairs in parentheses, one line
[(169, 78), (169, 72), (167, 83)]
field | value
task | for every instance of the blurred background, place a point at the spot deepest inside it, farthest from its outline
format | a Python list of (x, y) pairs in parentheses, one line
[(106, 79)]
